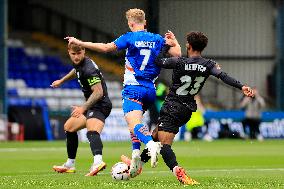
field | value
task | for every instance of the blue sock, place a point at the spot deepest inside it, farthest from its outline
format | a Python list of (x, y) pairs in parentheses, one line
[(142, 133), (135, 142)]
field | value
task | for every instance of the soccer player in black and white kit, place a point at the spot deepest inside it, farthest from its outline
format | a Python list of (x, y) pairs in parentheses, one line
[(91, 114), (189, 76)]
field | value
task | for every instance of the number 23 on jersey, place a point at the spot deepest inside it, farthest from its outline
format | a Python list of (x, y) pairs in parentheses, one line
[(187, 85)]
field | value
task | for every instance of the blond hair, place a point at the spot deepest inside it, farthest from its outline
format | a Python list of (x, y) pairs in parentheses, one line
[(135, 15), (75, 47)]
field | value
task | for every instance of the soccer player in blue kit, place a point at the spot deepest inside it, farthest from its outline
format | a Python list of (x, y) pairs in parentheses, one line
[(142, 48)]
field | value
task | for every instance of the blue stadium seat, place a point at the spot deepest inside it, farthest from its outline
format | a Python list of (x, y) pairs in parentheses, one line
[(12, 92), (19, 101)]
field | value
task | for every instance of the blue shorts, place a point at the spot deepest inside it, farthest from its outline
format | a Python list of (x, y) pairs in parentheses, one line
[(137, 97)]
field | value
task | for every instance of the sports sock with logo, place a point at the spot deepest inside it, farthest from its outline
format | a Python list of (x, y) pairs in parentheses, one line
[(71, 144), (142, 133), (135, 142)]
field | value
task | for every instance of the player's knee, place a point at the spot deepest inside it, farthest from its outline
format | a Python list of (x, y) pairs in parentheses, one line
[(69, 128), (97, 130), (165, 140), (95, 126)]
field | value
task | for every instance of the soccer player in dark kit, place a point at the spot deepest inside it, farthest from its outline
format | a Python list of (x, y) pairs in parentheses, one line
[(91, 114), (189, 76)]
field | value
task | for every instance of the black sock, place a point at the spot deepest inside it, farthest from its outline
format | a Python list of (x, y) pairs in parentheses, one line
[(95, 142), (169, 156), (144, 156), (71, 144)]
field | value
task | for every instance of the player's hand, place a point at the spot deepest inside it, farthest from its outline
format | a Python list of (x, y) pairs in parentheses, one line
[(170, 39), (170, 42), (218, 66), (77, 111), (248, 91), (170, 35), (56, 83), (73, 40)]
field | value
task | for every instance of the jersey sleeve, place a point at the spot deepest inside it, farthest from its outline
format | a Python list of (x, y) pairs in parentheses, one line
[(163, 60), (122, 41), (217, 72), (92, 76), (168, 63), (215, 69)]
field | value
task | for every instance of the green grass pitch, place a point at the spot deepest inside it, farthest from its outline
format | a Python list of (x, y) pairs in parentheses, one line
[(217, 164)]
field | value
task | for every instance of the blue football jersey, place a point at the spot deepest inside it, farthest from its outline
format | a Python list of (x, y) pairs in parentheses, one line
[(142, 48)]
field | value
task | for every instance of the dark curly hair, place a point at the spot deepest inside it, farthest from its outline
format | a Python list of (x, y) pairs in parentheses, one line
[(197, 40)]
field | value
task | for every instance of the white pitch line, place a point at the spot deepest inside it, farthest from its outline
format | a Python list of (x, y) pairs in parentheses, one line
[(223, 170), (149, 172), (47, 149)]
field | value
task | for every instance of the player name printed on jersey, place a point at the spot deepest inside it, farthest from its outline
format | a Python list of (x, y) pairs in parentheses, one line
[(197, 67), (148, 44)]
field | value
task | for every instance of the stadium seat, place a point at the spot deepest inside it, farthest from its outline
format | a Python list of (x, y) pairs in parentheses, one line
[(20, 83), (31, 73), (53, 103), (12, 92)]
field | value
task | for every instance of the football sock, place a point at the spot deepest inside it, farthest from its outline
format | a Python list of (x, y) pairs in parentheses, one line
[(142, 133), (135, 153), (175, 170), (98, 159), (135, 142), (70, 162), (169, 156), (144, 156), (95, 142), (72, 144)]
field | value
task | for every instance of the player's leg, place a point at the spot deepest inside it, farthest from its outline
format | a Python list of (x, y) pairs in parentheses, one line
[(95, 125), (133, 118), (136, 144), (71, 126), (145, 153), (145, 157), (258, 134), (172, 116), (169, 157), (166, 139), (133, 97)]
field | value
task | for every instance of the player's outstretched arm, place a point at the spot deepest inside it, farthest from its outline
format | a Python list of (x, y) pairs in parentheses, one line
[(217, 72), (171, 40), (99, 47), (67, 77)]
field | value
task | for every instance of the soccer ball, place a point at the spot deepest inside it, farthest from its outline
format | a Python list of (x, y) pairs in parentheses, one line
[(120, 171)]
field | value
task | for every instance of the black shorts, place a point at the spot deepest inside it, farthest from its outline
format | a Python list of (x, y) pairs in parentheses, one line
[(173, 115), (99, 112)]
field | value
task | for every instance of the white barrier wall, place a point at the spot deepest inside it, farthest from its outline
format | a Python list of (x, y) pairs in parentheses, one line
[(115, 129), (271, 129)]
